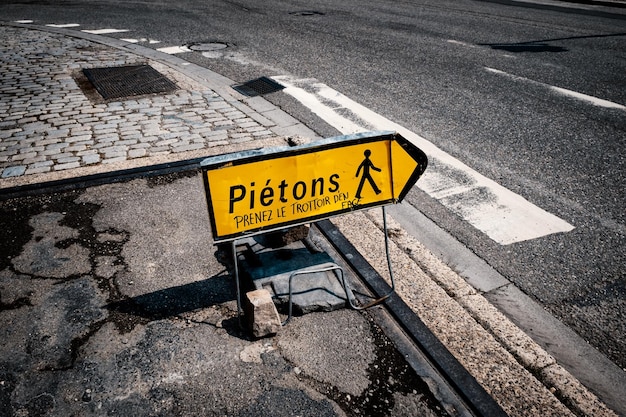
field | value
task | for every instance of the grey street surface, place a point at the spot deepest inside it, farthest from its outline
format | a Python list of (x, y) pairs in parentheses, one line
[(118, 305), (480, 80), (103, 310)]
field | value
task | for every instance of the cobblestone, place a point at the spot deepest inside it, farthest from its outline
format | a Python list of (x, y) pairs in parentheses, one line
[(60, 167), (137, 153), (38, 170), (14, 171), (91, 159), (22, 156), (78, 138), (46, 163), (35, 159), (68, 159)]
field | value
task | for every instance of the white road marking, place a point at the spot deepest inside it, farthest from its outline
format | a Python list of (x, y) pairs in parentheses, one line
[(563, 91), (64, 25), (591, 99), (461, 43), (174, 49), (104, 31), (496, 211), (142, 40), (24, 21)]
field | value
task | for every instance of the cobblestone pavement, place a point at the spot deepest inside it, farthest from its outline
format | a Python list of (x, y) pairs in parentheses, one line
[(48, 124)]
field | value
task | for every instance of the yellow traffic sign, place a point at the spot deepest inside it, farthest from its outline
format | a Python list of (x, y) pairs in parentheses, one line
[(261, 190)]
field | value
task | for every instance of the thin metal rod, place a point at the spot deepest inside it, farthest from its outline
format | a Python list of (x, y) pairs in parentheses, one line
[(313, 271), (393, 282), (235, 263)]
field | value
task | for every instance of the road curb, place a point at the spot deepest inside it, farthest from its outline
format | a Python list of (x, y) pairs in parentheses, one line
[(532, 357), (473, 393)]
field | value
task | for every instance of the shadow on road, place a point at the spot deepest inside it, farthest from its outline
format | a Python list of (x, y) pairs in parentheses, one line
[(543, 45), (174, 301)]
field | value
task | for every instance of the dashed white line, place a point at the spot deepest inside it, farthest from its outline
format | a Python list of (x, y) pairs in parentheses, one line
[(563, 91), (453, 41), (104, 31), (591, 99), (74, 25), (142, 40), (502, 215), (64, 25), (174, 49)]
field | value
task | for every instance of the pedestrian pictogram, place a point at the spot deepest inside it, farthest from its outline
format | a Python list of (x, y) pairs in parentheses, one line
[(263, 190), (365, 167)]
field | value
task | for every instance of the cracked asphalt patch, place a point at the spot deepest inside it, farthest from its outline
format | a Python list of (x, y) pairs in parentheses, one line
[(114, 301)]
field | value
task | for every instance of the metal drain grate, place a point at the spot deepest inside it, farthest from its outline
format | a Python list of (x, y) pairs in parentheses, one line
[(259, 87), (128, 81)]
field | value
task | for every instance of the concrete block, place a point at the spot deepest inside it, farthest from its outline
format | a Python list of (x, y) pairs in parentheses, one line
[(261, 313)]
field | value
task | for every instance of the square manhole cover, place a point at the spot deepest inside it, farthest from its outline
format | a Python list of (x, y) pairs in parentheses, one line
[(128, 81), (259, 87)]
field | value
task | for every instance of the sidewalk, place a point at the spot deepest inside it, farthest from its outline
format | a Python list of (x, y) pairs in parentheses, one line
[(50, 129)]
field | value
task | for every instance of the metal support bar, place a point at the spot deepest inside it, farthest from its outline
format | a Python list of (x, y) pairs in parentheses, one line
[(236, 264), (345, 284), (393, 282), (313, 271)]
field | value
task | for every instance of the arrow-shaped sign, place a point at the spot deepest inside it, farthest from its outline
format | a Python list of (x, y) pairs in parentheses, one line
[(263, 190)]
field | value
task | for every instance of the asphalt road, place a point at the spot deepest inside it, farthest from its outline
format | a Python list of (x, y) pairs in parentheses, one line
[(128, 316), (474, 78)]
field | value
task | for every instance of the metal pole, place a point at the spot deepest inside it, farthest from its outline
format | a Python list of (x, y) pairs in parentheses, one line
[(235, 263)]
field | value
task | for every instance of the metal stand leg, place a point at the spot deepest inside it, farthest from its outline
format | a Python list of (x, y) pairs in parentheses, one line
[(313, 271), (393, 283), (235, 263), (343, 278)]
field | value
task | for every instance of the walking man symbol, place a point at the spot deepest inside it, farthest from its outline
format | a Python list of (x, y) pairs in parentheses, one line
[(366, 165)]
